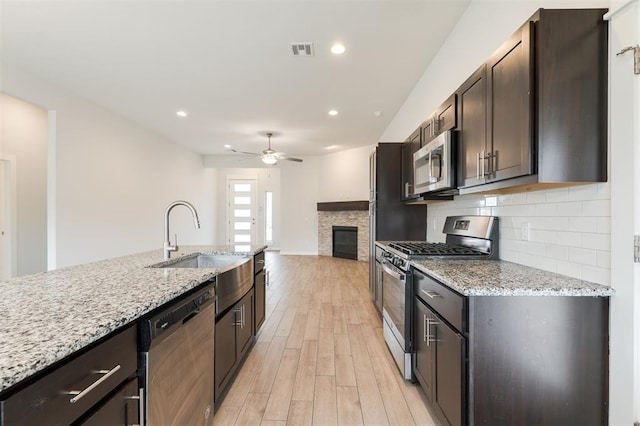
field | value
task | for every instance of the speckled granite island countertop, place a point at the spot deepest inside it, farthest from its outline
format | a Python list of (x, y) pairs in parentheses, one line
[(501, 278), (50, 315)]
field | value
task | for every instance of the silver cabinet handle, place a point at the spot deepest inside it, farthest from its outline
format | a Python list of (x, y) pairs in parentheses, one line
[(430, 294), (261, 262), (140, 399), (407, 185), (236, 322), (424, 329), (482, 158), (78, 395), (242, 316), (430, 339), (477, 165)]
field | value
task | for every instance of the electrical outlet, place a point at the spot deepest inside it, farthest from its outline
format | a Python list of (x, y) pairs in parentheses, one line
[(525, 231)]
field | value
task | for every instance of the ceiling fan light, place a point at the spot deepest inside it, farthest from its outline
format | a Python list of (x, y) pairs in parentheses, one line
[(269, 159)]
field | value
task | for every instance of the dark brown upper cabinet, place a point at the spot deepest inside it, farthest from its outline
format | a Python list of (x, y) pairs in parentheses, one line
[(443, 119), (411, 145), (534, 114)]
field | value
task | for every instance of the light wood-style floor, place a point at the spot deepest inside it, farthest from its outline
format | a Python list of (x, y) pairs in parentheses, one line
[(320, 357)]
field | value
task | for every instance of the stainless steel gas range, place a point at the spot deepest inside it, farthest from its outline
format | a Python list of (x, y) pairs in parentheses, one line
[(467, 237)]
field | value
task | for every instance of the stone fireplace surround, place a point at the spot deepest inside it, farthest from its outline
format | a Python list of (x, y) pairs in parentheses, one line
[(343, 213)]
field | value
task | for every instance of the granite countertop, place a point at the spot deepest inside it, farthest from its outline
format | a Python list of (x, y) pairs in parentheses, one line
[(50, 315), (502, 278)]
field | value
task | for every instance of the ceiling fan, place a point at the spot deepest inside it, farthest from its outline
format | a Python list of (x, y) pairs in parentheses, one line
[(270, 156)]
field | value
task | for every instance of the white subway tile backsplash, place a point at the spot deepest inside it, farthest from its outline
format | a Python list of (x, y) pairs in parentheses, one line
[(558, 195), (550, 223), (582, 192), (597, 241), (604, 259), (537, 249), (557, 252), (596, 275), (596, 208), (569, 268), (583, 256), (549, 237), (548, 209), (570, 228), (582, 224), (573, 239), (535, 197), (604, 191), (603, 225), (572, 208)]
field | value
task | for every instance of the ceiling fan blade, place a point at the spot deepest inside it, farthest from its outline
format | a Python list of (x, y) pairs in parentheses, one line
[(290, 159), (244, 152)]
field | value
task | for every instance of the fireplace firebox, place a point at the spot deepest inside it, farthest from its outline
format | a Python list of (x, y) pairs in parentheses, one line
[(345, 242)]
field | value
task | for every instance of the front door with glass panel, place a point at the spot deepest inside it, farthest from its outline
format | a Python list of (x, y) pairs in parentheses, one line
[(242, 213)]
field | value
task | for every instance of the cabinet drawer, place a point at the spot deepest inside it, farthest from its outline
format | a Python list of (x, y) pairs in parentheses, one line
[(448, 304), (47, 401), (258, 262)]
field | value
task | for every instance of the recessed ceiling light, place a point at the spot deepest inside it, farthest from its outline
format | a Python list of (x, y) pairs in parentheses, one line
[(338, 49), (181, 114), (331, 147), (333, 112), (377, 113), (227, 146)]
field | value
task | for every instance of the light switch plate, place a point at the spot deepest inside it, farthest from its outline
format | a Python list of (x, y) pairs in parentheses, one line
[(525, 231)]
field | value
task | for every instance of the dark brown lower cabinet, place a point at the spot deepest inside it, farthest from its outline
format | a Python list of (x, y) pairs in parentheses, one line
[(439, 363), (233, 338), (260, 300), (511, 360), (122, 408)]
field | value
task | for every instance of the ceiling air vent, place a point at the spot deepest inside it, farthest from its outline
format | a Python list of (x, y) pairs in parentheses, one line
[(302, 49)]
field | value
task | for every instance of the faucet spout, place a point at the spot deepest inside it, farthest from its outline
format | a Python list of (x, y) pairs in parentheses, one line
[(167, 247)]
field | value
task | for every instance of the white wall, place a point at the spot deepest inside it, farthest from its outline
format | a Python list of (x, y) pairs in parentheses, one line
[(344, 175), (23, 135), (114, 179), (299, 217)]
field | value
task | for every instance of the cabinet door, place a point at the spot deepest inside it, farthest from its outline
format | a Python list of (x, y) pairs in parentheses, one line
[(472, 124), (260, 301), (429, 129), (423, 351), (446, 115), (509, 100), (411, 145), (449, 380), (225, 349), (121, 409), (244, 327)]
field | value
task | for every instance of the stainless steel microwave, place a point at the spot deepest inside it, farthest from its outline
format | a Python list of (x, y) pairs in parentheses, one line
[(434, 165)]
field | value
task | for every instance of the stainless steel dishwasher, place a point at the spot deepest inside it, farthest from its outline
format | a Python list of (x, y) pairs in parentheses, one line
[(176, 347)]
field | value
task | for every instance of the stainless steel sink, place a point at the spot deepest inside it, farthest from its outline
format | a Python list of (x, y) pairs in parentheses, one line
[(221, 261)]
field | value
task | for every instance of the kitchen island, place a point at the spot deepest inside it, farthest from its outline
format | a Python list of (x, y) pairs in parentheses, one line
[(50, 316)]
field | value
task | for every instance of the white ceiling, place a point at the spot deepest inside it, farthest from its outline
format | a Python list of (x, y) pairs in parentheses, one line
[(229, 64)]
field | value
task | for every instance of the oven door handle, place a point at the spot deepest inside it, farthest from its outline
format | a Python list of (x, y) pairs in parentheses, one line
[(393, 273)]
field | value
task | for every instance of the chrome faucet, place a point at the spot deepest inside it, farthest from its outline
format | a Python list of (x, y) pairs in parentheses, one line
[(168, 248)]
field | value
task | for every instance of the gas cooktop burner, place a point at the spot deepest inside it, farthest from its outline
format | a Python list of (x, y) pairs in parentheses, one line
[(420, 248)]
